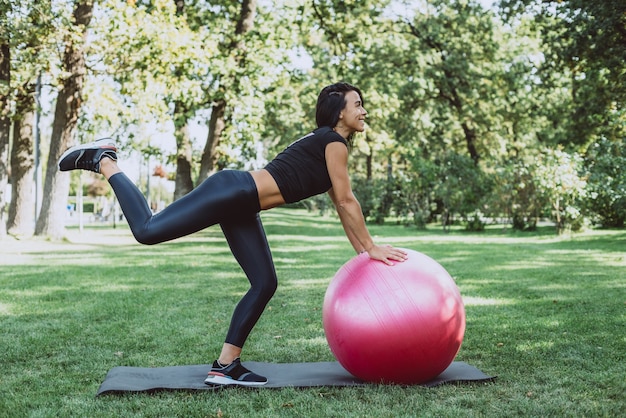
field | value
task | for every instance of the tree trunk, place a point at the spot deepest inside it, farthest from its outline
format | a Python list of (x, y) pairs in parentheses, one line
[(470, 141), (56, 188), (184, 183), (5, 128), (246, 19), (456, 102), (21, 210), (217, 122)]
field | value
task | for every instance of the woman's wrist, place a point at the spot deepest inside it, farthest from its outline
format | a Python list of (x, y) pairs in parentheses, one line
[(367, 250)]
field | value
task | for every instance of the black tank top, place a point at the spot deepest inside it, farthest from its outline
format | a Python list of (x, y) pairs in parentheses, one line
[(300, 170)]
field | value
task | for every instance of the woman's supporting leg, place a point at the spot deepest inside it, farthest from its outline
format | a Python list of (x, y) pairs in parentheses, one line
[(219, 197), (231, 199), (249, 245)]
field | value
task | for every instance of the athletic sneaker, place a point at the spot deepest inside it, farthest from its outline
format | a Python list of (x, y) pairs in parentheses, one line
[(88, 156), (233, 374)]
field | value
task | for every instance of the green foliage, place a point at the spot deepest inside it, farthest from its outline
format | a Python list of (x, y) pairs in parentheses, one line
[(583, 41), (414, 201), (606, 183), (473, 112), (33, 33), (452, 83), (375, 197), (559, 182), (549, 183), (475, 223), (414, 194), (406, 194), (460, 186), (148, 57)]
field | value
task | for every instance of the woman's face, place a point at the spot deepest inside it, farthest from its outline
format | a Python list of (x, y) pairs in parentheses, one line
[(352, 117)]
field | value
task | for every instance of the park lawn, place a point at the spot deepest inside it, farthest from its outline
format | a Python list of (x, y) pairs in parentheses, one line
[(546, 314)]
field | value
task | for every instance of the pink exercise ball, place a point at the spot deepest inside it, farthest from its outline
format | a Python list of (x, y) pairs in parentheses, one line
[(400, 324)]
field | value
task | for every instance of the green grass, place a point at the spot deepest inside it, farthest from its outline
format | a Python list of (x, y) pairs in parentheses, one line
[(546, 314)]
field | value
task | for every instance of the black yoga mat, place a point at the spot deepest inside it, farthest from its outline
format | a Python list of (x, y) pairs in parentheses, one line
[(149, 379)]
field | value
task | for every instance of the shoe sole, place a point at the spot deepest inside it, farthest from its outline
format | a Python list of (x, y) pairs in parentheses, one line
[(225, 381)]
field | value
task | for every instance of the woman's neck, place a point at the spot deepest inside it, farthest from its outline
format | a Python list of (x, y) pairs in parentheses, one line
[(343, 131)]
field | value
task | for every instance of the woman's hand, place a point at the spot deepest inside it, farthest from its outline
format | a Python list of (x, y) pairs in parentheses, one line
[(387, 254)]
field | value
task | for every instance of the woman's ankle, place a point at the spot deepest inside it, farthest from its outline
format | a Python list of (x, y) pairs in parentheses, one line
[(108, 167)]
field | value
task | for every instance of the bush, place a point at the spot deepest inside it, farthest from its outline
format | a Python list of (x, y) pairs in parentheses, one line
[(375, 197), (524, 223), (474, 223), (549, 183), (558, 180), (606, 183), (461, 185)]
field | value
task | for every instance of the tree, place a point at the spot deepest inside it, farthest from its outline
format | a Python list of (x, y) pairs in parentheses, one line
[(171, 50), (5, 121), (30, 54), (156, 68), (353, 41), (69, 100), (253, 61), (21, 214), (229, 85), (459, 69), (456, 97), (583, 40), (29, 33)]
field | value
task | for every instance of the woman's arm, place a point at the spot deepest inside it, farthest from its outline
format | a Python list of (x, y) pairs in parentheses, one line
[(358, 247), (349, 209)]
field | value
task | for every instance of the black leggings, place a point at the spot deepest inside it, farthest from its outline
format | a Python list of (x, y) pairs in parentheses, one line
[(229, 198)]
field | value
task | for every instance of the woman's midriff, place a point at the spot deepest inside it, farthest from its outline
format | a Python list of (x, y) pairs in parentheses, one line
[(269, 194)]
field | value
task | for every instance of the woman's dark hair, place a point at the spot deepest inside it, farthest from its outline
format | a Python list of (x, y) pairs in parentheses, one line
[(331, 102)]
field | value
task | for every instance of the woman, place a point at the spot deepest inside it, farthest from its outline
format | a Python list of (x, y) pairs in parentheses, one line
[(314, 164)]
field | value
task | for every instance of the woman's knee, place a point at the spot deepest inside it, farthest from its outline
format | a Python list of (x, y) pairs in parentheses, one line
[(267, 287), (146, 237)]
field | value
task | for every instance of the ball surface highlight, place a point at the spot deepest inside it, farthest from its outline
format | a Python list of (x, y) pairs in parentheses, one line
[(401, 324)]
